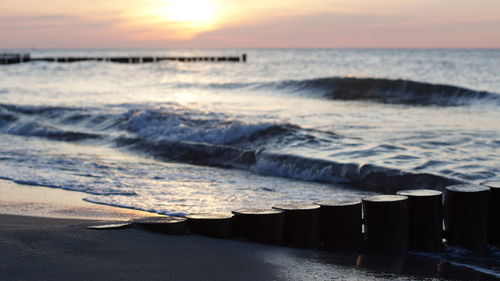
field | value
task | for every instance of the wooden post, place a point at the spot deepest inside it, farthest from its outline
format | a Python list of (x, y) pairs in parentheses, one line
[(213, 225), (387, 223), (466, 216), (426, 219), (301, 225), (119, 59), (340, 224), (164, 224), (260, 225), (244, 57), (494, 213)]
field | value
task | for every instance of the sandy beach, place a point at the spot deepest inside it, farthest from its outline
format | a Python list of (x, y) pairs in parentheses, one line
[(63, 249), (54, 246)]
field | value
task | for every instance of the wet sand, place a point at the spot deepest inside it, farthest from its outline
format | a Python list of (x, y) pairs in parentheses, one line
[(61, 249), (41, 248), (19, 199)]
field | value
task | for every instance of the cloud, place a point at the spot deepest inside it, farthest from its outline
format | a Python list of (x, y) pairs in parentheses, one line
[(356, 30), (59, 30), (41, 22), (321, 30)]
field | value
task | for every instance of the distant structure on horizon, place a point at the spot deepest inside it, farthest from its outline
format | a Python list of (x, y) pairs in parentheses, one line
[(13, 58)]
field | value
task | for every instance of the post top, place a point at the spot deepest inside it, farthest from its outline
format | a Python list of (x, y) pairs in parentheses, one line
[(467, 188), (419, 192), (159, 220), (296, 207), (256, 211), (117, 225), (491, 184), (339, 202), (209, 216), (385, 198)]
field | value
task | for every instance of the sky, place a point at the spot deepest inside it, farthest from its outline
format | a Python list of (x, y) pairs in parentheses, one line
[(249, 24)]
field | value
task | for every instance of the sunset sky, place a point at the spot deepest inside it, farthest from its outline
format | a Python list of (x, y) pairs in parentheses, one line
[(249, 23)]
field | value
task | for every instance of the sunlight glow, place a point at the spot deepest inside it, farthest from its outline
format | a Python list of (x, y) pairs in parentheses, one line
[(196, 13)]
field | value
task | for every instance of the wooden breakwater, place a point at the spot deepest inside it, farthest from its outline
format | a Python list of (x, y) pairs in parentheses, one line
[(14, 58), (412, 220), (11, 58)]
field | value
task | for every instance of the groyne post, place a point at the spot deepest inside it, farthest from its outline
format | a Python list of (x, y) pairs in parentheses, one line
[(260, 225), (425, 219), (494, 213), (164, 224), (212, 225), (386, 223), (301, 225), (466, 216), (11, 58), (340, 224)]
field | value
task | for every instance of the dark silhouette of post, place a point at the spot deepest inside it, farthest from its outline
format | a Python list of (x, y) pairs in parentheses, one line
[(340, 224), (425, 219), (260, 225), (244, 58), (213, 225), (494, 213), (301, 225), (387, 223), (466, 216)]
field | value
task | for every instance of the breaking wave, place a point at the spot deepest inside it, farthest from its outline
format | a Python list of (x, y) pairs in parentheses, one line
[(210, 140), (379, 90)]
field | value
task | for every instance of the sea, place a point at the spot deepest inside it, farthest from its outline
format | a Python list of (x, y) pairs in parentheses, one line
[(288, 125)]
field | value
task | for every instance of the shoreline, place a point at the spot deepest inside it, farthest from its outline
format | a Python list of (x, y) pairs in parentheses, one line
[(40, 201), (38, 248), (45, 237)]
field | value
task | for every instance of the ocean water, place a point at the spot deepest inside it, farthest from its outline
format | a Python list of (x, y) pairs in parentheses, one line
[(290, 125)]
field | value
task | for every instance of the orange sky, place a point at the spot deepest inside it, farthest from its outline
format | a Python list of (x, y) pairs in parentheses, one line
[(249, 23)]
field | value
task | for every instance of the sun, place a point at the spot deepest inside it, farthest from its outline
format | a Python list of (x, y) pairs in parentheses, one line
[(195, 13), (177, 19)]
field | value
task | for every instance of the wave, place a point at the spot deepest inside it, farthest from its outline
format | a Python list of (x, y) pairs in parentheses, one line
[(11, 124), (379, 90), (165, 125), (396, 91), (153, 124), (210, 140), (192, 152), (47, 183), (364, 177)]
